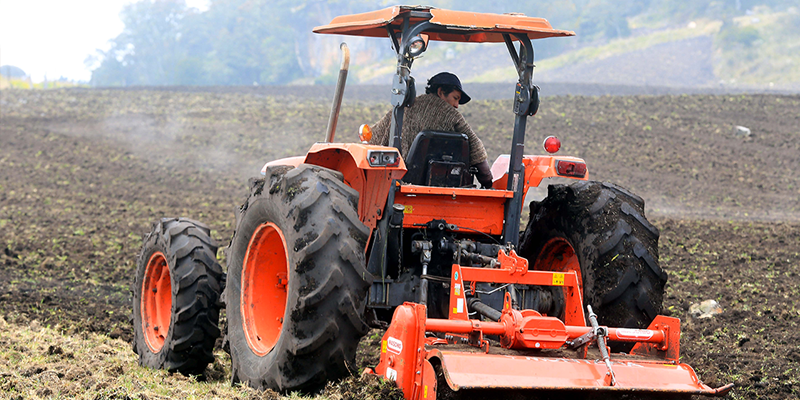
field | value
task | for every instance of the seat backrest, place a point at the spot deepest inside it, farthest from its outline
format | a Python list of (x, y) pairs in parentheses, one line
[(438, 159)]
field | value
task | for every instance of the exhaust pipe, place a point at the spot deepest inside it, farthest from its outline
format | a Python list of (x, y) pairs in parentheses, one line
[(337, 96)]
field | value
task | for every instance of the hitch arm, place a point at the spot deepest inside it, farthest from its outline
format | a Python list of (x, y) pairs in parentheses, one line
[(601, 332)]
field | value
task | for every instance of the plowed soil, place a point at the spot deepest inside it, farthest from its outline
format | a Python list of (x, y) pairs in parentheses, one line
[(83, 174)]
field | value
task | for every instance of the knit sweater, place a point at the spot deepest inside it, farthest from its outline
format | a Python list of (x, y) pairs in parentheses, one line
[(429, 113)]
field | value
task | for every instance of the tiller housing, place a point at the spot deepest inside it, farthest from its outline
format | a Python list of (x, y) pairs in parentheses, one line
[(536, 351)]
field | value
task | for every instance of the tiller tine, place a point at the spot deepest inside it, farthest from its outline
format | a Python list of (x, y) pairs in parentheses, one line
[(412, 359)]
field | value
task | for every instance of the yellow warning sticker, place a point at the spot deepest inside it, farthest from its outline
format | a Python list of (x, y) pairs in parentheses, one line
[(558, 279), (425, 395), (455, 310), (458, 289), (408, 209), (383, 346)]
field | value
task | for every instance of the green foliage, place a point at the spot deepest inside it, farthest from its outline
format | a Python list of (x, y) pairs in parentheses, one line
[(150, 49), (760, 48), (234, 42), (245, 42), (734, 35), (239, 42)]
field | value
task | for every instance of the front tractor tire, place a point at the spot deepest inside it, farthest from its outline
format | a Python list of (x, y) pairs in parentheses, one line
[(600, 231), (176, 296), (297, 285)]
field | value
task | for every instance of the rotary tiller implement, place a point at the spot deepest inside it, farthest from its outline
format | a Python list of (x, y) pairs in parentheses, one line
[(536, 352)]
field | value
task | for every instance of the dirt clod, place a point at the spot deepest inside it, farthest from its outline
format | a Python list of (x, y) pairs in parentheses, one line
[(34, 370), (364, 387), (54, 350)]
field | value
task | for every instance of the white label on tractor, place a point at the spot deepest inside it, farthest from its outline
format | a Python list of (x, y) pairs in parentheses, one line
[(636, 334), (391, 374), (460, 305), (394, 345), (458, 289)]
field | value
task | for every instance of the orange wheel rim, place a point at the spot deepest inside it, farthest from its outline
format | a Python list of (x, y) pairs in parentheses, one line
[(558, 255), (156, 306), (264, 279)]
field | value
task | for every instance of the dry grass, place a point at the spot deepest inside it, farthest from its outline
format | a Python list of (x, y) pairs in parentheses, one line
[(38, 362)]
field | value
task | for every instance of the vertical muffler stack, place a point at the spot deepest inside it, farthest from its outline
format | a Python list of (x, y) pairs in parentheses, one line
[(338, 93)]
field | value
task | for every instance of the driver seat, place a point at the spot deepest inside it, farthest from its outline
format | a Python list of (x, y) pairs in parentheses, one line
[(439, 159)]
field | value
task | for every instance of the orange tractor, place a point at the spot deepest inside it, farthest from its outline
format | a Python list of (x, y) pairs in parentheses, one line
[(353, 235)]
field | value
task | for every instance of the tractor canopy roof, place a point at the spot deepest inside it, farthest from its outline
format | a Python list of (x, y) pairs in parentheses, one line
[(447, 25)]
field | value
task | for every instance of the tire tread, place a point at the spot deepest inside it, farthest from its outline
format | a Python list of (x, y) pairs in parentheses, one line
[(196, 278), (616, 245), (314, 209)]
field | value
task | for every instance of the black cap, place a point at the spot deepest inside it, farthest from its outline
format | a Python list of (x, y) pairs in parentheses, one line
[(446, 78)]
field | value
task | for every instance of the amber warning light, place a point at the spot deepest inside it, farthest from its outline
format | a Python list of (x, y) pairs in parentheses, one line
[(551, 144), (364, 133)]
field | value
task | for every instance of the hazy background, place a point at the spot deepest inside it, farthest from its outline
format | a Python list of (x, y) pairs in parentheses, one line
[(663, 43)]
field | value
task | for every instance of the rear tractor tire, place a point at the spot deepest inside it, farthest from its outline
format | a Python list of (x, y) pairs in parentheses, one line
[(176, 297), (297, 286), (599, 230)]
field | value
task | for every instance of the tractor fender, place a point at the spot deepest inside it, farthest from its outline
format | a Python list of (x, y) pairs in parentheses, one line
[(352, 160), (293, 162), (371, 182), (537, 168)]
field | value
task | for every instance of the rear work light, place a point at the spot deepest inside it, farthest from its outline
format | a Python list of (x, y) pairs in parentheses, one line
[(383, 158), (571, 168)]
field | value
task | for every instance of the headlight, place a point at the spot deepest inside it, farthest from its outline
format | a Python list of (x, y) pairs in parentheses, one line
[(416, 46), (383, 158)]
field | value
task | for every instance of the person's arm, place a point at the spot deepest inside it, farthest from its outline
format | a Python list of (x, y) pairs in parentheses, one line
[(484, 174)]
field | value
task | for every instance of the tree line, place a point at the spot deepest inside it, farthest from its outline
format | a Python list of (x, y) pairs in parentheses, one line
[(267, 42)]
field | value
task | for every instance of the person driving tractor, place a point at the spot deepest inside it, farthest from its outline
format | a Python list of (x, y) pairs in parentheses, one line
[(436, 110)]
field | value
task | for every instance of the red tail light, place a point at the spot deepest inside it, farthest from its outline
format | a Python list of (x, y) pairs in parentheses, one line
[(551, 144), (571, 168)]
